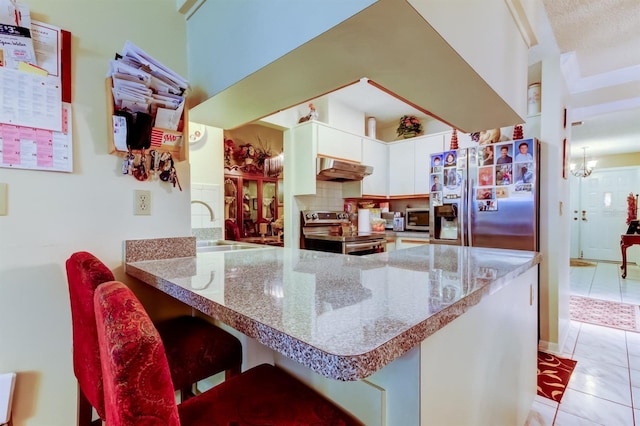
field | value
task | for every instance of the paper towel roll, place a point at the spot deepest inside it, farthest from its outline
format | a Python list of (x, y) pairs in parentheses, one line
[(364, 220)]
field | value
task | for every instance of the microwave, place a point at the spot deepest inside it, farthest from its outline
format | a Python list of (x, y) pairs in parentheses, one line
[(416, 219)]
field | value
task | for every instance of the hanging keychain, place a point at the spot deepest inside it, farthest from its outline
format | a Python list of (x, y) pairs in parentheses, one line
[(174, 178), (166, 164), (127, 163), (155, 162), (140, 171)]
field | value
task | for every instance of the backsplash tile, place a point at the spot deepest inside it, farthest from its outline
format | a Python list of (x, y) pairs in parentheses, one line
[(328, 197), (200, 216), (207, 233)]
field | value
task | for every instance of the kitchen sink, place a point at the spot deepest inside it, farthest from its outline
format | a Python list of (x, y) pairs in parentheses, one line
[(224, 245)]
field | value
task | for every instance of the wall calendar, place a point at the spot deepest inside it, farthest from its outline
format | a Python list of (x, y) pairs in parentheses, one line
[(38, 149)]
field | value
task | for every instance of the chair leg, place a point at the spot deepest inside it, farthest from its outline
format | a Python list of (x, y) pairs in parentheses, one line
[(233, 371), (186, 393), (191, 391), (85, 410)]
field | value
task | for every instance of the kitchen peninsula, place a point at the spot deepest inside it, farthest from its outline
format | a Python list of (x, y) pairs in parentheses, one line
[(427, 335)]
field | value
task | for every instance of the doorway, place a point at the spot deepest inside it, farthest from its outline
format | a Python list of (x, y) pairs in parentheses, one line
[(599, 212)]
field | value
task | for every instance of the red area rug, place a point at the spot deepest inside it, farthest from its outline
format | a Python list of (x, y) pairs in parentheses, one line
[(553, 375), (622, 316)]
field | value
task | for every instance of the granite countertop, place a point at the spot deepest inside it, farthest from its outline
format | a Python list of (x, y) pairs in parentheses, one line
[(342, 316)]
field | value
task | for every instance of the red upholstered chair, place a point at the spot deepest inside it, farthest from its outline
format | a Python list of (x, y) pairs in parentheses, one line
[(195, 348), (138, 390), (231, 230)]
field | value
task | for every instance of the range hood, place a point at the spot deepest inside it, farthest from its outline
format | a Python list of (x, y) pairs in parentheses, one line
[(340, 171)]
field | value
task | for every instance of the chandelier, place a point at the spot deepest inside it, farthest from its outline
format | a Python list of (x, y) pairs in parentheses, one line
[(586, 168)]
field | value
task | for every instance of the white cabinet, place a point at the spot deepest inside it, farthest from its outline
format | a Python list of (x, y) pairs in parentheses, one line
[(391, 243), (300, 144), (375, 154), (401, 168), (409, 164), (305, 142), (508, 385), (338, 144), (407, 242), (423, 148)]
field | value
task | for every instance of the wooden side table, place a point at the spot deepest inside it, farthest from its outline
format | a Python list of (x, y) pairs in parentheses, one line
[(627, 240)]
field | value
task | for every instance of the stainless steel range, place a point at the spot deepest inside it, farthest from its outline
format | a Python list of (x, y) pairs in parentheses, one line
[(330, 231)]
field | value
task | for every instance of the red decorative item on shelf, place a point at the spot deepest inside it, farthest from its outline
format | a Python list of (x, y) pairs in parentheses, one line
[(454, 140), (632, 207), (517, 132)]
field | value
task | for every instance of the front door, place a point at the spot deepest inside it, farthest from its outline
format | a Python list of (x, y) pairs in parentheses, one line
[(601, 211)]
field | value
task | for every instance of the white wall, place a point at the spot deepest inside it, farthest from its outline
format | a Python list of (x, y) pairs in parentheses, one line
[(221, 29), (207, 179), (52, 215), (346, 118), (471, 25), (555, 217)]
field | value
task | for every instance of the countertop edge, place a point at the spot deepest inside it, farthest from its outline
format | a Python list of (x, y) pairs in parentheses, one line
[(338, 367)]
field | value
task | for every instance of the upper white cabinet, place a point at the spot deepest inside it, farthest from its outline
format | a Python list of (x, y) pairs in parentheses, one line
[(376, 154), (423, 148), (305, 142), (337, 143), (409, 164), (401, 168), (301, 147)]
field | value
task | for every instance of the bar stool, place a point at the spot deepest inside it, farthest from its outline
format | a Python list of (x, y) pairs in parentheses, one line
[(137, 381), (195, 348)]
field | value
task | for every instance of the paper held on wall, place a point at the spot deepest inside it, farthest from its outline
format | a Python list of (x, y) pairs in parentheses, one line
[(142, 85), (38, 149), (15, 35), (31, 94), (47, 44), (30, 100)]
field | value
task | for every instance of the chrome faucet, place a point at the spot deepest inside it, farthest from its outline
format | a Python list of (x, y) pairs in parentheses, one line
[(206, 205)]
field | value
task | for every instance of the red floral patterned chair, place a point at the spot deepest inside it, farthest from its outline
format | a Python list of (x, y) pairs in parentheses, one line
[(195, 348), (138, 390), (231, 230)]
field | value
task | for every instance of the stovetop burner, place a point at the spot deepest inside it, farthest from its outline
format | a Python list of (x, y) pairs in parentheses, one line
[(328, 225)]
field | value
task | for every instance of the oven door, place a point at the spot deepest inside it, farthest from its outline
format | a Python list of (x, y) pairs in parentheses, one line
[(361, 248)]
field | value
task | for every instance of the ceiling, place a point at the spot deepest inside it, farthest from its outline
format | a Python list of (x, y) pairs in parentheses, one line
[(599, 43), (350, 50)]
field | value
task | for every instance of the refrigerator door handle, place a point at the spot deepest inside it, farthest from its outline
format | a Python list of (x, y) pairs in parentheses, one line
[(469, 200)]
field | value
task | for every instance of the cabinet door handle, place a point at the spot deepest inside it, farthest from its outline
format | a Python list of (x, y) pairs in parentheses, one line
[(530, 294)]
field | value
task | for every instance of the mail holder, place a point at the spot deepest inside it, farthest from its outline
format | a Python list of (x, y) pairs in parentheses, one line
[(169, 140)]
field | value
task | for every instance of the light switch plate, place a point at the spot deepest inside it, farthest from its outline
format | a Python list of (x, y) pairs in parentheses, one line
[(4, 199)]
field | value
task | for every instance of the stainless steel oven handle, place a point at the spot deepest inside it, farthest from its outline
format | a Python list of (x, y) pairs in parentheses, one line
[(354, 248), (370, 244)]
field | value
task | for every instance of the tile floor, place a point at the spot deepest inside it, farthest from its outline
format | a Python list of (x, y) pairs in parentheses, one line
[(604, 389)]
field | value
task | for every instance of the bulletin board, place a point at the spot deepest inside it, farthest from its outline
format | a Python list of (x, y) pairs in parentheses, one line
[(35, 118)]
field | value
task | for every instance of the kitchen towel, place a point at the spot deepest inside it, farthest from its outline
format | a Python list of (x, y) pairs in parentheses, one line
[(364, 220)]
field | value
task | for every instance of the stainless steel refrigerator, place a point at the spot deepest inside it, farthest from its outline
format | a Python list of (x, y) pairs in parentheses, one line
[(486, 196)]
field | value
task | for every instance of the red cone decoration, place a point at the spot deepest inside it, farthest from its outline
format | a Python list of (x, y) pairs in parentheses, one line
[(517, 132), (454, 140)]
